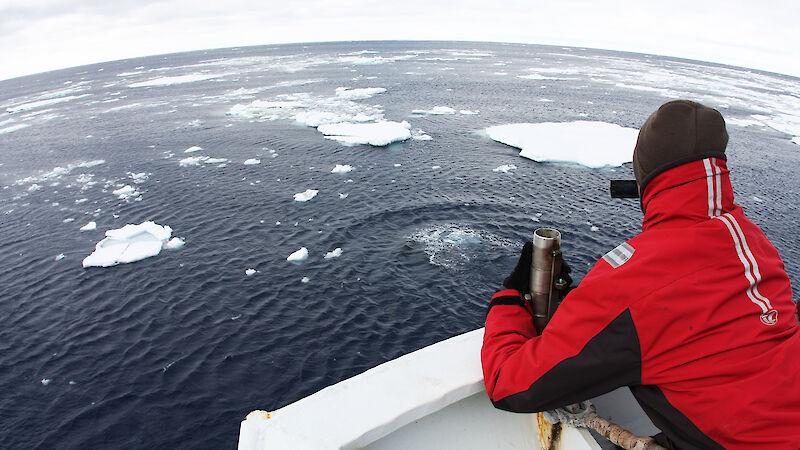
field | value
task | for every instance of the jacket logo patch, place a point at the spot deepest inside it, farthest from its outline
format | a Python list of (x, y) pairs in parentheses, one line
[(619, 255)]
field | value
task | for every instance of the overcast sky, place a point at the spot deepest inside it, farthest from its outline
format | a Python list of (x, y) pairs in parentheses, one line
[(42, 35)]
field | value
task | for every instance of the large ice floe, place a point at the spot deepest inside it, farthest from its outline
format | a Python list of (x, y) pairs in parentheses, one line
[(377, 134), (132, 243), (592, 144)]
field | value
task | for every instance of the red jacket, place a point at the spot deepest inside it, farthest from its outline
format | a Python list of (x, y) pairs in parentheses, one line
[(695, 314)]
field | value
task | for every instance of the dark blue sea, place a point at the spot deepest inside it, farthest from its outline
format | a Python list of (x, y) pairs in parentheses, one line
[(173, 351)]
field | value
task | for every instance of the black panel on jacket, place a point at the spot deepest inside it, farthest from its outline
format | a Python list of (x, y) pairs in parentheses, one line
[(609, 360), (676, 427), (505, 300)]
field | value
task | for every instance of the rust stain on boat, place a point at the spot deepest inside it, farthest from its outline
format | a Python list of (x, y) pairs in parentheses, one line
[(549, 434)]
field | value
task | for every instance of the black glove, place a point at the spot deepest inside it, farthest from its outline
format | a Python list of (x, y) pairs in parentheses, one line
[(520, 278)]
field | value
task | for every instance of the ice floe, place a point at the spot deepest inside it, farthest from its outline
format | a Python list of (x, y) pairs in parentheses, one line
[(305, 280), (335, 253), (129, 244), (250, 272), (181, 79), (252, 162), (419, 135), (126, 192), (377, 134), (592, 144), (14, 128), (305, 196), (200, 160), (58, 172), (505, 168), (139, 178), (359, 93), (298, 256), (40, 103), (312, 110), (175, 243), (91, 226), (436, 111), (342, 168)]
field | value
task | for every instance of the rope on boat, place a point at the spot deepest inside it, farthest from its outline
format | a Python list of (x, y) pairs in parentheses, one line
[(584, 414)]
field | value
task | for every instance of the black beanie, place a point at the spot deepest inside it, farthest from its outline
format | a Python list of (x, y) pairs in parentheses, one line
[(679, 132)]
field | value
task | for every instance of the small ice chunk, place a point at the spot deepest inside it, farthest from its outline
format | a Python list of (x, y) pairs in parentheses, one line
[(298, 256), (436, 167), (343, 196), (420, 135), (305, 280), (594, 228), (129, 244), (796, 140), (34, 187), (139, 178), (216, 160), (592, 144), (467, 112), (436, 111), (81, 200), (192, 149), (505, 168), (306, 196), (252, 162), (126, 192), (335, 253), (60, 256), (46, 381), (398, 165), (91, 226), (342, 168), (69, 220), (378, 134), (193, 161), (358, 94), (175, 244), (250, 272)]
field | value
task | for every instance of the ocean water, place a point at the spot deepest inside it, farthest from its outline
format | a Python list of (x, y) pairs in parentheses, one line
[(173, 351)]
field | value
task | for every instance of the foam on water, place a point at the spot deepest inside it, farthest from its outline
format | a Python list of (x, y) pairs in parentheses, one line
[(455, 246)]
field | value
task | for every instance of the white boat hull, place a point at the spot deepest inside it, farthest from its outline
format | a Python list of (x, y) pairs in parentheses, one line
[(431, 398)]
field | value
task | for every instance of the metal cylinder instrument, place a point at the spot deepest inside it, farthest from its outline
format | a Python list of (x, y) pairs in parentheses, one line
[(545, 270)]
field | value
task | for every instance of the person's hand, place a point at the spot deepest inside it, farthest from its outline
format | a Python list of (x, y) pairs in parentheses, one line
[(520, 278)]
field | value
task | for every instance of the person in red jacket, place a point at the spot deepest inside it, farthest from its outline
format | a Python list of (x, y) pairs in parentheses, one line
[(695, 314)]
